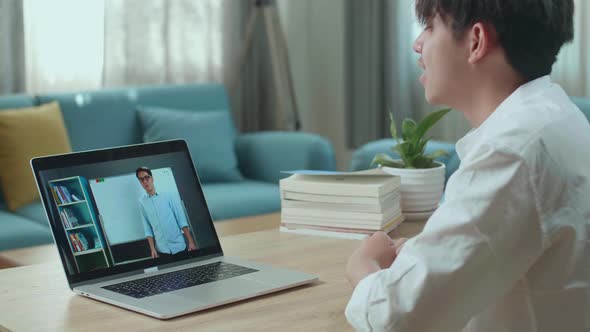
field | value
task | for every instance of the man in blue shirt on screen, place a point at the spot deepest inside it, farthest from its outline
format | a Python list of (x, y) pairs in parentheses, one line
[(164, 221)]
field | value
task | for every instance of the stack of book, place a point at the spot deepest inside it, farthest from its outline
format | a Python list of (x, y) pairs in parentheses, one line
[(69, 218), (79, 242), (349, 205), (62, 195)]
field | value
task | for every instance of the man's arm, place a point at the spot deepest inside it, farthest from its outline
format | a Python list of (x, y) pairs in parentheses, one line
[(473, 250), (149, 234), (180, 217), (178, 211), (189, 239), (153, 250)]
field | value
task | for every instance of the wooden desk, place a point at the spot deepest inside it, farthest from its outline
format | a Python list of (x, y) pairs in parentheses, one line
[(37, 296)]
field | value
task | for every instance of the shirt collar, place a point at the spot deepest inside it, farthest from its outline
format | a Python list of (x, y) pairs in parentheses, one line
[(150, 196), (496, 118)]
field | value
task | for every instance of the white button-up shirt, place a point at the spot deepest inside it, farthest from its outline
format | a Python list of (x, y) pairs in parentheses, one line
[(509, 249)]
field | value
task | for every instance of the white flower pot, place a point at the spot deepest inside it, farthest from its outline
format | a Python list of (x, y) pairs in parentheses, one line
[(421, 189)]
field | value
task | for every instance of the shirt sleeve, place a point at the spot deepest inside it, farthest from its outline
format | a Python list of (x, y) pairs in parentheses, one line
[(472, 251), (146, 225), (178, 211)]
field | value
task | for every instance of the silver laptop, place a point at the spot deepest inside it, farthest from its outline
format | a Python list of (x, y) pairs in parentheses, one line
[(133, 229)]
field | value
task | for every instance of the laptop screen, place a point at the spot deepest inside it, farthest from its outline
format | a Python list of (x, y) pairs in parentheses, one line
[(125, 209)]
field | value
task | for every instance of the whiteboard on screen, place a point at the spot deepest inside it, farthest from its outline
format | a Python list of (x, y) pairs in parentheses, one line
[(117, 200)]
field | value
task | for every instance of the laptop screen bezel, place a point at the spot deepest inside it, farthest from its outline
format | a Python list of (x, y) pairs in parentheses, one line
[(41, 164)]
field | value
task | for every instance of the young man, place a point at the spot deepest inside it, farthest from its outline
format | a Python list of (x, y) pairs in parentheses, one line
[(509, 249), (164, 221)]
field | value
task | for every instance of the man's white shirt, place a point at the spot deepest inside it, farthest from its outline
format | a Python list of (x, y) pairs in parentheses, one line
[(509, 249)]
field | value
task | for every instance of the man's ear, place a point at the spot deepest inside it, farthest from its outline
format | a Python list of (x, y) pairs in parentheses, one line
[(482, 38)]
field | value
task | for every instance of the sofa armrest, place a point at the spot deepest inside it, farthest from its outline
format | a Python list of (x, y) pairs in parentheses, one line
[(263, 155), (362, 157)]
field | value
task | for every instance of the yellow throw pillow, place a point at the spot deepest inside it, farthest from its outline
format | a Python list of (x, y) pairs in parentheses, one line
[(26, 133)]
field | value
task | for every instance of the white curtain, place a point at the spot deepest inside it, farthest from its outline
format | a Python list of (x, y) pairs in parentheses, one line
[(74, 45), (572, 69), (63, 44), (159, 41), (12, 64)]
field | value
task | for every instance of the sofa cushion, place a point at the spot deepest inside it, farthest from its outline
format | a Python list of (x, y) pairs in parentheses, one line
[(246, 198), (26, 133), (208, 135), (99, 119), (10, 102), (34, 212), (18, 232)]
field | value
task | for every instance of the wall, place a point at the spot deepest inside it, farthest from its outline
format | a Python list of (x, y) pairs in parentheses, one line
[(314, 30)]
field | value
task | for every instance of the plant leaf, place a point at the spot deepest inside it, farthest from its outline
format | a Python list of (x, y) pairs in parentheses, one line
[(436, 154), (408, 129), (423, 143), (385, 160), (403, 149), (429, 121), (392, 127), (423, 162)]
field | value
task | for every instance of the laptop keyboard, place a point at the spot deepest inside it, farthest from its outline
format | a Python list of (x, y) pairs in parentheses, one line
[(171, 281)]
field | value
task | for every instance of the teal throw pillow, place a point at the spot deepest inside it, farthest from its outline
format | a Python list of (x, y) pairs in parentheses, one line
[(209, 135)]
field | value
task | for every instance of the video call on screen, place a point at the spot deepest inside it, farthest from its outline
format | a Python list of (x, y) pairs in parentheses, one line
[(105, 217)]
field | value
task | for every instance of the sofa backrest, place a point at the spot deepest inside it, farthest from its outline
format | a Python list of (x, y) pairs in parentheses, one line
[(583, 104), (98, 119), (106, 118), (16, 101)]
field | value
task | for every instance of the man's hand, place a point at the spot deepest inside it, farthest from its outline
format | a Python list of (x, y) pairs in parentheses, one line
[(189, 239), (375, 253), (154, 253)]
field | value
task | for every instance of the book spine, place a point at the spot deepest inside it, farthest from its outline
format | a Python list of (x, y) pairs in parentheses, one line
[(82, 248), (60, 192), (331, 214), (83, 240), (332, 234), (55, 197), (310, 189), (72, 218), (67, 194), (74, 243), (65, 219), (341, 207)]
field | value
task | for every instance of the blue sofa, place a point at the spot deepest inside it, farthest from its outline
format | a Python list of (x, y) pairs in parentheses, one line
[(89, 115), (362, 157)]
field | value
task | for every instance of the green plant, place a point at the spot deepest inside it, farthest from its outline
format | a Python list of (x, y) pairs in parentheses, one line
[(412, 145)]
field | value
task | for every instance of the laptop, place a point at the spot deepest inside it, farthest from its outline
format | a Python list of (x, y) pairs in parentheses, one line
[(133, 229)]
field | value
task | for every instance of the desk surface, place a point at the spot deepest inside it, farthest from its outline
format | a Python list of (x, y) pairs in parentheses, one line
[(37, 296)]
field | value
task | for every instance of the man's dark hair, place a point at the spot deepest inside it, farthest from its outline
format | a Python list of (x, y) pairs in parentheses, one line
[(142, 169), (530, 31)]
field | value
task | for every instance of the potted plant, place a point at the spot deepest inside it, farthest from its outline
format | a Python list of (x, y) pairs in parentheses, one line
[(422, 177)]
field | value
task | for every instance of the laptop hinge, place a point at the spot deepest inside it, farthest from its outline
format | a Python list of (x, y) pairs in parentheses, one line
[(151, 269)]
